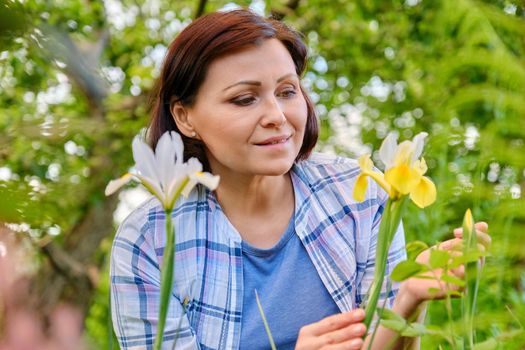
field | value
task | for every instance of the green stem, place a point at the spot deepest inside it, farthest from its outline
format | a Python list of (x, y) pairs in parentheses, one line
[(180, 324), (375, 329), (387, 229), (472, 277), (166, 281), (266, 326), (448, 305)]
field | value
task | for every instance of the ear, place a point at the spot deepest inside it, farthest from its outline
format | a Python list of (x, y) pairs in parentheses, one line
[(180, 116)]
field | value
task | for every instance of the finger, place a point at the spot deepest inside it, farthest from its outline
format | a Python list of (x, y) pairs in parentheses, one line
[(481, 248), (484, 238), (349, 344), (451, 244), (355, 330), (334, 322), (458, 272), (479, 226), (482, 226)]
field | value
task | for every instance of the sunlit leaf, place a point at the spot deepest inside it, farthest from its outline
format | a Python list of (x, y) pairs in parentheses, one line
[(439, 258), (406, 269), (453, 280), (489, 344), (414, 248)]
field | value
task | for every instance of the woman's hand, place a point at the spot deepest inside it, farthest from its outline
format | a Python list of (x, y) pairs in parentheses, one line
[(420, 290), (340, 331)]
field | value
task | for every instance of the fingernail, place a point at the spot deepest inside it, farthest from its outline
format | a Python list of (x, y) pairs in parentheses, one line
[(359, 329), (446, 245), (356, 343), (358, 314)]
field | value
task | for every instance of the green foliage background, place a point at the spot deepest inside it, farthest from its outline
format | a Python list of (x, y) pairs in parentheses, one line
[(74, 84)]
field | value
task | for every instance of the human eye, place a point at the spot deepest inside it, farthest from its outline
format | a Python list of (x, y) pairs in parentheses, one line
[(288, 92), (243, 100)]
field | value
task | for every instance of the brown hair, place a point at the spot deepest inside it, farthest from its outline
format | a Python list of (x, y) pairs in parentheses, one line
[(190, 55)]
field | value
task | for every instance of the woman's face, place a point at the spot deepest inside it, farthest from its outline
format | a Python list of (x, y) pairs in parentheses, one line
[(250, 111)]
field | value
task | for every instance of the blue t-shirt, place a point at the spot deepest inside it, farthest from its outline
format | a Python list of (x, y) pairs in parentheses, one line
[(291, 292)]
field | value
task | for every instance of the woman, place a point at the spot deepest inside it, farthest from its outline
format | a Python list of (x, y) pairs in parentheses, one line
[(281, 222)]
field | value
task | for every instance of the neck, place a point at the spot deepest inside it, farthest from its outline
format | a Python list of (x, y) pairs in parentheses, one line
[(253, 195)]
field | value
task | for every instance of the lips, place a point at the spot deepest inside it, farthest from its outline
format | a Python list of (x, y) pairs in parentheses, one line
[(274, 140)]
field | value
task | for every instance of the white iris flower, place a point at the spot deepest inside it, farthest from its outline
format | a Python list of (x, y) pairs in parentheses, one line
[(164, 173)]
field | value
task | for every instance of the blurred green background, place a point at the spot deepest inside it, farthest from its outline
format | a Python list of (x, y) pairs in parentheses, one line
[(75, 78)]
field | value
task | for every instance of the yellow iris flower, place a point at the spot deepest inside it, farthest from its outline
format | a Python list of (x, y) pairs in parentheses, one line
[(403, 171)]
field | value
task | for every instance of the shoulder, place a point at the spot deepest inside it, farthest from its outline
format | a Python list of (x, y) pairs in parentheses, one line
[(322, 165), (144, 227), (324, 169), (326, 172), (317, 159), (135, 231)]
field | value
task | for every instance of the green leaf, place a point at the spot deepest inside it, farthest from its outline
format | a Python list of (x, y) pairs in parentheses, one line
[(405, 270), (394, 325), (489, 344), (414, 330), (433, 291), (439, 258), (469, 257), (454, 293), (437, 331), (414, 249), (393, 321), (453, 280), (387, 314)]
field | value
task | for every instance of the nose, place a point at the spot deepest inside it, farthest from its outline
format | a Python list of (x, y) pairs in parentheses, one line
[(273, 113)]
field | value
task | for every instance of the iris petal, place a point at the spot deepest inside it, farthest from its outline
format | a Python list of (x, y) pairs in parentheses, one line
[(206, 179), (193, 166), (388, 150), (403, 153), (360, 187), (165, 159), (178, 145), (152, 187), (424, 193), (420, 166), (164, 173), (365, 163), (114, 185), (419, 142), (144, 159), (380, 179), (402, 178)]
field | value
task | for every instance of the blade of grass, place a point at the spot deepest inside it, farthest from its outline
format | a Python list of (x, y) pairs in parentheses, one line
[(266, 326)]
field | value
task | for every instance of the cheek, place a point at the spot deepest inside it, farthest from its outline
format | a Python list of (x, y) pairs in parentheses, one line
[(221, 136), (214, 123), (300, 114)]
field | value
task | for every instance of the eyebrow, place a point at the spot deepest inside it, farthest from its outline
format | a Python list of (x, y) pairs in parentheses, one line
[(258, 83)]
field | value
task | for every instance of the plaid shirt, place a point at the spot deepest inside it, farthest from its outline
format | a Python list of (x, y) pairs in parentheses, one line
[(338, 233)]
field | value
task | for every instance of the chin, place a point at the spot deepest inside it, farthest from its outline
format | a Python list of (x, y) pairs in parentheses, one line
[(276, 168)]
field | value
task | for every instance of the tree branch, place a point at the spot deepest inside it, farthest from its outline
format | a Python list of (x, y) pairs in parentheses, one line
[(288, 9), (80, 69), (74, 282), (63, 262), (200, 9)]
